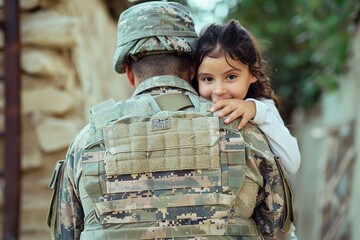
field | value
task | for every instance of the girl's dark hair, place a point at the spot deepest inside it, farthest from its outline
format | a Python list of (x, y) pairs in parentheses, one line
[(232, 40)]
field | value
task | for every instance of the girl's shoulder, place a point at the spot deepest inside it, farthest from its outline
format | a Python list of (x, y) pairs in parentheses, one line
[(267, 101)]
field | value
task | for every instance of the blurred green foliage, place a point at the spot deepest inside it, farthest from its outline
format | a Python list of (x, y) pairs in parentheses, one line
[(307, 42)]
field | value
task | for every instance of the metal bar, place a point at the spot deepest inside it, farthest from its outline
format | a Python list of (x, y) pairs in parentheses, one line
[(12, 120)]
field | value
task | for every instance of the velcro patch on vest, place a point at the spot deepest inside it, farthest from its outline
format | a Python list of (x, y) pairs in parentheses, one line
[(174, 144), (160, 124)]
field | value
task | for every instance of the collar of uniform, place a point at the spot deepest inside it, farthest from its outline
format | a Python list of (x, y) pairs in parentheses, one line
[(163, 81)]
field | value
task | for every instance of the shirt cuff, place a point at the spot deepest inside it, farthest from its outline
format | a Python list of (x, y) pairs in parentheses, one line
[(261, 110)]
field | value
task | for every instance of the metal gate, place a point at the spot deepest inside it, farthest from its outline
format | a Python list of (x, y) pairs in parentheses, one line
[(10, 175)]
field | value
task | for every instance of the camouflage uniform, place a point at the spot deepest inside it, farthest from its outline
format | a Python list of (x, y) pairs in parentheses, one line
[(142, 169)]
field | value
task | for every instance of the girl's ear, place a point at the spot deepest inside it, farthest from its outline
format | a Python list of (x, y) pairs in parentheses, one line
[(130, 74), (253, 78)]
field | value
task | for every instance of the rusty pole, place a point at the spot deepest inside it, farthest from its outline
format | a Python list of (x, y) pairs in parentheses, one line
[(12, 120)]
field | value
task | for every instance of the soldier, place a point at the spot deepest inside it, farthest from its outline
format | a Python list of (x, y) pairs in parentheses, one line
[(160, 165)]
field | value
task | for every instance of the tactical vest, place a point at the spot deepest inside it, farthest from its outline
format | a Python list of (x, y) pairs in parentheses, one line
[(157, 172)]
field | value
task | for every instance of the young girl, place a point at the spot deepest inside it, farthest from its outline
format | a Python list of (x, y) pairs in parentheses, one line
[(232, 74)]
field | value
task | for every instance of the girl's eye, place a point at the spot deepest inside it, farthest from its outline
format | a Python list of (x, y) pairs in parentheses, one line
[(206, 79), (231, 76)]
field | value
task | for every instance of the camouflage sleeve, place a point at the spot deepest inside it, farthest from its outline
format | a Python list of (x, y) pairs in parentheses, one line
[(70, 212), (70, 216), (272, 210), (272, 214)]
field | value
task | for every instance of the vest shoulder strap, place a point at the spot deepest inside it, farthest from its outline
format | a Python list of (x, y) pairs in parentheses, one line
[(173, 101), (104, 113)]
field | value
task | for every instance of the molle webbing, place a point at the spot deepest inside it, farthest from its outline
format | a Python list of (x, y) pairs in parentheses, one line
[(210, 231), (164, 215), (158, 184), (173, 172), (139, 148), (165, 201), (232, 154)]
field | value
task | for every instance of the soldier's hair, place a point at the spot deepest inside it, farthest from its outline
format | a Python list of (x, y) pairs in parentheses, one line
[(162, 64), (234, 41)]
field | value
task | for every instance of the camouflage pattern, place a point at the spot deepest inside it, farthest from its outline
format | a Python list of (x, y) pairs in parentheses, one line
[(119, 182), (153, 28)]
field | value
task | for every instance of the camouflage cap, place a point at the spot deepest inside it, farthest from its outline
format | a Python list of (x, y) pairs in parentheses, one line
[(153, 28)]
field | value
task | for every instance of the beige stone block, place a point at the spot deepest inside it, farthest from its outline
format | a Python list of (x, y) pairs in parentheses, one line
[(30, 152), (30, 157), (51, 3), (35, 198), (55, 134), (46, 99), (49, 28), (44, 62), (31, 81), (29, 4)]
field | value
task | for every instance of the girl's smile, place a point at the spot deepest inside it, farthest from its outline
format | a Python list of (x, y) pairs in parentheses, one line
[(223, 78)]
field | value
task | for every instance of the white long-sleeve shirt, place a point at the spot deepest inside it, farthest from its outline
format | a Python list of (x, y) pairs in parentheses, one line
[(281, 142)]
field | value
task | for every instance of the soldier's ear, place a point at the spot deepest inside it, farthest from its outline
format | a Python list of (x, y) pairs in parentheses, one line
[(129, 74)]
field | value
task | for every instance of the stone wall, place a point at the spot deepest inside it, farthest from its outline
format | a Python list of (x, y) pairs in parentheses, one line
[(66, 66)]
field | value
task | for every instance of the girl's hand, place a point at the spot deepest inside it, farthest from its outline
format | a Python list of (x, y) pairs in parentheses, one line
[(235, 108)]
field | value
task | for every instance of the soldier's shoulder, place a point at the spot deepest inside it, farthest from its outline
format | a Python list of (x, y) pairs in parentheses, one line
[(251, 130), (255, 137), (103, 113), (80, 139)]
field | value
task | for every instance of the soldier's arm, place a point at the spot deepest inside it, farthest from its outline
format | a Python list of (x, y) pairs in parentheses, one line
[(273, 214), (66, 217), (70, 216)]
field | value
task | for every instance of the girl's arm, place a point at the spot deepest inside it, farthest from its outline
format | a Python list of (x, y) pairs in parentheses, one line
[(235, 108), (282, 143), (264, 114)]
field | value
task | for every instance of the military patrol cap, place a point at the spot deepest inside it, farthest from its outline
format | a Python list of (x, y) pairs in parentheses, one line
[(154, 28)]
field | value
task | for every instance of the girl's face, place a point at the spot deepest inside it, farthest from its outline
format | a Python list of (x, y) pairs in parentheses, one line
[(223, 78)]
